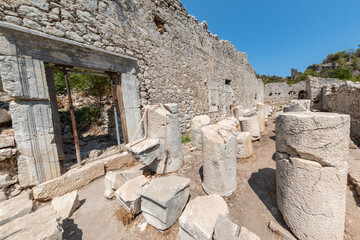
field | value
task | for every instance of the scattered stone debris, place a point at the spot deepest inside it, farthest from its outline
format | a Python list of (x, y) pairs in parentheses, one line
[(197, 123), (199, 217), (66, 205), (164, 199), (128, 194), (15, 207)]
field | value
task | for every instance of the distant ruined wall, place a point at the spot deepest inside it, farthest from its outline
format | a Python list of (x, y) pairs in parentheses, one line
[(280, 93), (179, 60), (344, 98)]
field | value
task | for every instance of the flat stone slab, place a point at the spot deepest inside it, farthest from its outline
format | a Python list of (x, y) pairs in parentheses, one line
[(15, 207), (117, 161), (7, 141), (164, 199), (41, 224), (66, 205), (128, 195), (145, 151), (199, 217), (72, 180)]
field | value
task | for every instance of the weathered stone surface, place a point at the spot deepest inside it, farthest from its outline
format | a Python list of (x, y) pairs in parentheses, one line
[(66, 205), (6, 180), (225, 229), (33, 129), (115, 179), (280, 93), (15, 207), (41, 224), (197, 123), (219, 159), (156, 129), (70, 181), (6, 141), (5, 153), (354, 168), (4, 116), (245, 234), (278, 229), (229, 123), (322, 137), (298, 106), (244, 145), (199, 217), (117, 161), (312, 197), (261, 114), (145, 151), (164, 199), (128, 194), (2, 195), (250, 124)]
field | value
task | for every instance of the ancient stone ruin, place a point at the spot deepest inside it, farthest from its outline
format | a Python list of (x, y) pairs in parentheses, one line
[(131, 120)]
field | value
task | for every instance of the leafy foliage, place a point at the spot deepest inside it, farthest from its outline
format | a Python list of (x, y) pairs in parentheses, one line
[(85, 117), (270, 79), (185, 139), (342, 73)]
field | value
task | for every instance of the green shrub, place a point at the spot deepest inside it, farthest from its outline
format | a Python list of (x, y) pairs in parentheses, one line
[(342, 73), (185, 138), (85, 117)]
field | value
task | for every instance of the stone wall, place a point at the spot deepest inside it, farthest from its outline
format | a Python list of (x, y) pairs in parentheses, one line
[(344, 98), (280, 93), (179, 60)]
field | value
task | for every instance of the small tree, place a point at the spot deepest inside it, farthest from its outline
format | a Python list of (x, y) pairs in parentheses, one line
[(342, 73)]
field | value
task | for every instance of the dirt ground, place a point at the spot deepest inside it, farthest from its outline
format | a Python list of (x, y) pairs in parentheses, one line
[(252, 206)]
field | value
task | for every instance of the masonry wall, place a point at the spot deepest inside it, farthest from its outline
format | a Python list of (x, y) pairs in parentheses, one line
[(280, 93), (179, 60)]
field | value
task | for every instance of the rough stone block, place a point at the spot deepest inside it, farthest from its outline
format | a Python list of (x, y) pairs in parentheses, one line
[(197, 123), (245, 234), (70, 181), (4, 116), (7, 141), (219, 159), (250, 124), (312, 197), (322, 137), (66, 205), (6, 180), (298, 106), (261, 115), (128, 195), (41, 224), (164, 199), (15, 208), (5, 153), (199, 217), (225, 229), (117, 161), (244, 145), (229, 123), (145, 151)]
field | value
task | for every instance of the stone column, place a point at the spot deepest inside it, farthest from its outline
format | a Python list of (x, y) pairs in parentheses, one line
[(311, 172), (250, 124), (197, 123), (261, 114), (219, 159), (244, 145)]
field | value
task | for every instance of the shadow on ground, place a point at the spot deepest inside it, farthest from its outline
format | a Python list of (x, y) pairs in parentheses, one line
[(71, 230)]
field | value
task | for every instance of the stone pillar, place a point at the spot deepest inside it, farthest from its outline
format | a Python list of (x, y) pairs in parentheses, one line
[(261, 114), (250, 124), (197, 123), (311, 173), (219, 159), (244, 145), (298, 106), (156, 129)]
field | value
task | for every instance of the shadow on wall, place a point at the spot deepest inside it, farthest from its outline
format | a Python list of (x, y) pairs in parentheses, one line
[(263, 183)]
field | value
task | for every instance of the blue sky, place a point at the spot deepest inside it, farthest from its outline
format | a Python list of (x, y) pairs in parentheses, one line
[(279, 35)]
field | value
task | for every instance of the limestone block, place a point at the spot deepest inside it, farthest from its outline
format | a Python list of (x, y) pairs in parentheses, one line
[(219, 159), (115, 179), (156, 129), (244, 145), (6, 180), (245, 234), (72, 180), (41, 224), (128, 195), (225, 229), (66, 205), (322, 137), (145, 151), (199, 217), (164, 199), (312, 197), (33, 130), (298, 106), (4, 116), (6, 141), (15, 208), (197, 123), (251, 124), (261, 114), (5, 153), (117, 161), (244, 112), (229, 123)]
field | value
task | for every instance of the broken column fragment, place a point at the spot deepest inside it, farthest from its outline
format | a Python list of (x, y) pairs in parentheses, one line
[(244, 145), (250, 124), (219, 159), (164, 199), (200, 215), (261, 115), (197, 123), (301, 105), (311, 173), (230, 122), (145, 151), (66, 205), (225, 229)]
